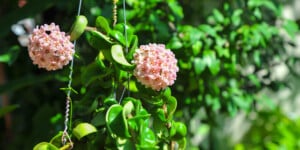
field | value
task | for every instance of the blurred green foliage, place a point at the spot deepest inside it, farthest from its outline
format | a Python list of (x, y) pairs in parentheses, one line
[(271, 130), (222, 51)]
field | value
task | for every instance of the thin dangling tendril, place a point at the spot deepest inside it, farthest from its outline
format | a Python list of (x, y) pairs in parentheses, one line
[(126, 50), (68, 112), (115, 7), (115, 18)]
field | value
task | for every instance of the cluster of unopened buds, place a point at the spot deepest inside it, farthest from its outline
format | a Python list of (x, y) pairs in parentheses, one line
[(156, 66)]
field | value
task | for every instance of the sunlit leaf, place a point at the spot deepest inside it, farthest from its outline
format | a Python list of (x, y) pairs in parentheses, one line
[(118, 56), (118, 36), (199, 65), (218, 16), (102, 24), (78, 27), (98, 40), (291, 28), (45, 146), (83, 129)]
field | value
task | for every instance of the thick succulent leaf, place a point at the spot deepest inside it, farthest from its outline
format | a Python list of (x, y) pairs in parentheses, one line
[(83, 129), (98, 40), (78, 27), (116, 123), (118, 56), (45, 146), (118, 36), (102, 24)]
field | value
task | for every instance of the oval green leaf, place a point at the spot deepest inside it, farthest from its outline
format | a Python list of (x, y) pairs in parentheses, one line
[(116, 123), (45, 146), (128, 108), (117, 35), (102, 24), (118, 56), (98, 40), (83, 129), (109, 101), (181, 130), (78, 27)]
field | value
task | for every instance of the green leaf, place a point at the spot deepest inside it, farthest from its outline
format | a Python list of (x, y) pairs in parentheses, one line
[(171, 103), (56, 140), (102, 24), (118, 36), (109, 101), (56, 118), (257, 13), (223, 52), (291, 28), (98, 40), (11, 55), (147, 136), (118, 56), (99, 60), (256, 58), (199, 65), (116, 123), (125, 144), (133, 46), (99, 118), (160, 128), (128, 108), (129, 31), (254, 79), (190, 34), (182, 144), (7, 109), (176, 8), (213, 64), (196, 47), (218, 16), (236, 17), (160, 113), (208, 29), (83, 130), (174, 43), (45, 146), (91, 73), (78, 27), (180, 130), (212, 102), (264, 3), (132, 86)]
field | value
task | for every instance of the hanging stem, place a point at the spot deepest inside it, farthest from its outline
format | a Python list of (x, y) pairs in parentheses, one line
[(68, 112), (126, 42), (115, 15)]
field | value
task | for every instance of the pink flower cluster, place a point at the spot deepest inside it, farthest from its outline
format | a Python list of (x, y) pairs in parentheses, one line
[(156, 66), (50, 48)]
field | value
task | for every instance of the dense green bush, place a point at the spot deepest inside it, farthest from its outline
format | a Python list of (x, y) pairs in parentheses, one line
[(225, 55)]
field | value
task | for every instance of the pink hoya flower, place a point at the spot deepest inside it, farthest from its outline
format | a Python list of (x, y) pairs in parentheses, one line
[(156, 66), (50, 48)]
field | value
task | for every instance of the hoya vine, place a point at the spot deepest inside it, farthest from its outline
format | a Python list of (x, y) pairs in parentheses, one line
[(103, 118)]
